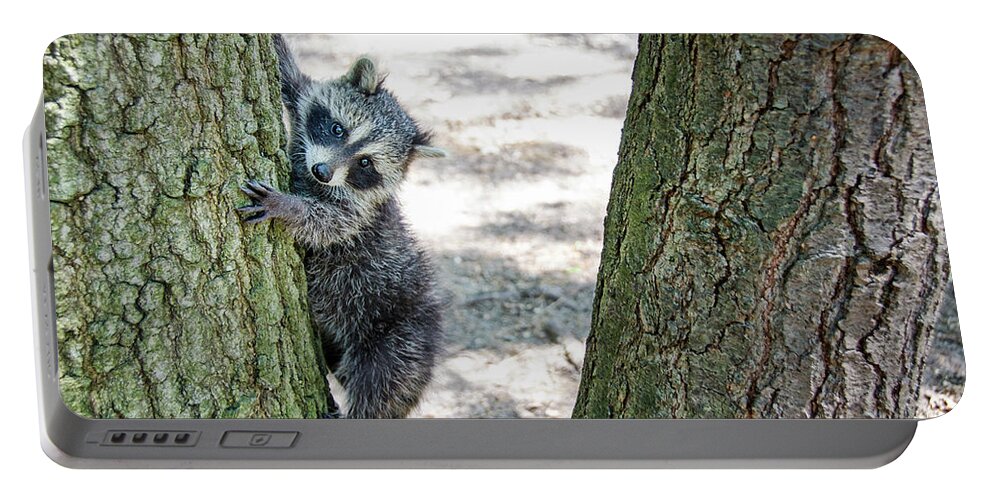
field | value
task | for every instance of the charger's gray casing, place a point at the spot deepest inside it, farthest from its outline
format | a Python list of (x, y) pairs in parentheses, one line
[(74, 441)]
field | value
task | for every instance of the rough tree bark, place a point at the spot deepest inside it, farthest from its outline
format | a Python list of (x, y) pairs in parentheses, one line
[(167, 306), (773, 243)]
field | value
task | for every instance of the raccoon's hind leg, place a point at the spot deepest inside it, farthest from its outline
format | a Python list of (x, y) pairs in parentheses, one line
[(385, 378)]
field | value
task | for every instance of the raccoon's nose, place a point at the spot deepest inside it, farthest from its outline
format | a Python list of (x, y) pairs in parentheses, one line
[(321, 171)]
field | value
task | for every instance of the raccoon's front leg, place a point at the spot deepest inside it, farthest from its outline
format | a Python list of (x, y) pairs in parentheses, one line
[(314, 223), (268, 203)]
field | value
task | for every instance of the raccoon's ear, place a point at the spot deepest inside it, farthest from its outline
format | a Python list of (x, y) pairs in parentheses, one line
[(422, 146), (425, 151), (363, 75), (293, 81)]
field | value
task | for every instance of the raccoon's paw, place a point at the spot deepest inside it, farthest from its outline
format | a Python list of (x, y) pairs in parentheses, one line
[(267, 202)]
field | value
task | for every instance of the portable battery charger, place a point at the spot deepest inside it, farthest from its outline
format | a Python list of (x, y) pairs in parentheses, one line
[(486, 251)]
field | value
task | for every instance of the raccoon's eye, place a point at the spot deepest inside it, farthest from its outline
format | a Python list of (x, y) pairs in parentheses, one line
[(365, 162), (323, 129)]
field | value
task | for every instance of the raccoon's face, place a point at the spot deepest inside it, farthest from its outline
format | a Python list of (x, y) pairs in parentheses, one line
[(351, 138), (348, 140)]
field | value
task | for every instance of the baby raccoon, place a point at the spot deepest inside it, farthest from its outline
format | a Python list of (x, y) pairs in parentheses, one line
[(371, 288)]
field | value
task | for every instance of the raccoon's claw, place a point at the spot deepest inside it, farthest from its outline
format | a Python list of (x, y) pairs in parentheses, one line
[(257, 218), (250, 209), (264, 200), (259, 213), (261, 186), (257, 191)]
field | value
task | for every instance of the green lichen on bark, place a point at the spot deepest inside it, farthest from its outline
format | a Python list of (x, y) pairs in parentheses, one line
[(773, 243), (166, 304)]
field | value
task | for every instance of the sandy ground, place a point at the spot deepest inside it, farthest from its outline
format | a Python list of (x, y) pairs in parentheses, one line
[(514, 216)]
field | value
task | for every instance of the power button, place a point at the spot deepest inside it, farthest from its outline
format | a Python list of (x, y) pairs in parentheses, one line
[(260, 439)]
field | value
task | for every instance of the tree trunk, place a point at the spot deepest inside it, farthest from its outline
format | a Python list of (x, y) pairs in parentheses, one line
[(773, 243), (167, 305)]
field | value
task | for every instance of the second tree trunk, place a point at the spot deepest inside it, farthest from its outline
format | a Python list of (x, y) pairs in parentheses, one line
[(773, 244)]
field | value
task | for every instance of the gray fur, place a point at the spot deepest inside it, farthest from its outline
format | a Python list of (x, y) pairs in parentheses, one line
[(372, 289)]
